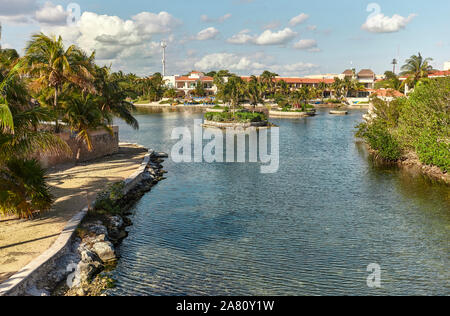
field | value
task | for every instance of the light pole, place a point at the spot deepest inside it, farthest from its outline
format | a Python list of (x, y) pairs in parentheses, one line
[(164, 46), (394, 62)]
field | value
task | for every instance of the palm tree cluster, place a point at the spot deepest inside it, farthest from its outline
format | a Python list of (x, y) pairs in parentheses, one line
[(51, 83), (234, 90), (415, 70)]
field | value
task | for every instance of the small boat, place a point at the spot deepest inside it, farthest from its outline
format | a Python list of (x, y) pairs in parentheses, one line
[(339, 112)]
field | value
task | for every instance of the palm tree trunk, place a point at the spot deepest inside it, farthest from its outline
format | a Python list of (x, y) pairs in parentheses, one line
[(55, 105)]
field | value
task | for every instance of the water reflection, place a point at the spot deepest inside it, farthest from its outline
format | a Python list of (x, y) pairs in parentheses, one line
[(310, 229)]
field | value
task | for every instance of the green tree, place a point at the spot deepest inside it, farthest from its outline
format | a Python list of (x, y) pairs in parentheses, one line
[(416, 68), (49, 64), (268, 80), (255, 92), (82, 114), (112, 97), (199, 90)]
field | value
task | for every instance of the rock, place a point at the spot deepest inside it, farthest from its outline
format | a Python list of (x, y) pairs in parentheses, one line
[(87, 271), (96, 228), (161, 155), (80, 291), (89, 257), (104, 250), (115, 221)]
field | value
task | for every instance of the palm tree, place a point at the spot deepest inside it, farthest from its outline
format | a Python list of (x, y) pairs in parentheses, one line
[(255, 92), (391, 81), (321, 88), (268, 79), (416, 68), (49, 64), (199, 90), (82, 115), (112, 97), (233, 91), (338, 88), (23, 188), (283, 87)]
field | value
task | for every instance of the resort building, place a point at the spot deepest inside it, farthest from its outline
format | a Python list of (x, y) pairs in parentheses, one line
[(186, 84)]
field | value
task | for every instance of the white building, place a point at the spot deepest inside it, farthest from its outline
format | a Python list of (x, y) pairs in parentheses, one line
[(447, 65)]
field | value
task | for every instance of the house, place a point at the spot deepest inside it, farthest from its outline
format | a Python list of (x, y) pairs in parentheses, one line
[(387, 94), (186, 84)]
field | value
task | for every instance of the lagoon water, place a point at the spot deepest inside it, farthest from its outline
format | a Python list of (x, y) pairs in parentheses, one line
[(312, 228)]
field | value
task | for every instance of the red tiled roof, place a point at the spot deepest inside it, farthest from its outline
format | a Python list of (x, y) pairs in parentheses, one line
[(297, 80), (440, 74), (388, 93), (185, 78)]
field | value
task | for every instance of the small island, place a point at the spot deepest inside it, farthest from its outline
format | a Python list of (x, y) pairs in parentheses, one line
[(236, 119)]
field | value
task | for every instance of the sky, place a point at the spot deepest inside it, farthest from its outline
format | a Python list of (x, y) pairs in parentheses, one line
[(289, 37)]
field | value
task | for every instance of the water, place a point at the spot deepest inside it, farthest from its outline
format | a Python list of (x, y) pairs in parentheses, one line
[(310, 229)]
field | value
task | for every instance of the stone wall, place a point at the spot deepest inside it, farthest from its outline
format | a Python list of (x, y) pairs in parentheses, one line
[(103, 143)]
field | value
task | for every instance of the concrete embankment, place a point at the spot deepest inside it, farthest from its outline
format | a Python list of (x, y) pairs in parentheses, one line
[(83, 256)]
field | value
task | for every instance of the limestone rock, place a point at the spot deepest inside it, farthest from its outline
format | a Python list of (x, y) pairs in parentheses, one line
[(104, 250)]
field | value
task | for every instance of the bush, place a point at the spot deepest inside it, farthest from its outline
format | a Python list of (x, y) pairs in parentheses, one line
[(240, 117), (380, 139), (23, 188), (433, 151), (108, 201)]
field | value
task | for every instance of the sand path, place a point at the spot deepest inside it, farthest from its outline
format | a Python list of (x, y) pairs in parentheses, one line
[(21, 241)]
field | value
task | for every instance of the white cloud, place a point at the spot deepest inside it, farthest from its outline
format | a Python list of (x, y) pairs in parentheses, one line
[(124, 43), (306, 44), (274, 38), (268, 37), (312, 27), (51, 14), (251, 65), (151, 23), (296, 69), (380, 23), (299, 19), (207, 34), (224, 61), (221, 19), (243, 37)]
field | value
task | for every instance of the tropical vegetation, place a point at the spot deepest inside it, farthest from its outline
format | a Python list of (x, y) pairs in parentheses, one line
[(47, 91), (419, 124)]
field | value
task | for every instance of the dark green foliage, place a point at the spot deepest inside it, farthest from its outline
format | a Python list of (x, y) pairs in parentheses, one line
[(419, 124), (108, 201), (23, 190), (240, 117), (379, 139)]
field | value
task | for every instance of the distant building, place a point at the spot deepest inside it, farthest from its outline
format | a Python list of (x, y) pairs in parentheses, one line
[(447, 65), (186, 84)]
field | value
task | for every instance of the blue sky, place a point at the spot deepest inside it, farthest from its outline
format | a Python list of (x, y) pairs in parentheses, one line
[(292, 38)]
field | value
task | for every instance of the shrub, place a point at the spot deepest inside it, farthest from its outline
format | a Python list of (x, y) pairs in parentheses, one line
[(380, 139), (23, 189), (108, 201), (241, 117), (433, 151)]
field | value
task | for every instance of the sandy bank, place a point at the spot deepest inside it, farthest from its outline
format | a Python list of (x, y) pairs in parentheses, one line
[(22, 241)]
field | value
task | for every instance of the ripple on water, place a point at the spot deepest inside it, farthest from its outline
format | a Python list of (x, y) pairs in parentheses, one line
[(310, 229)]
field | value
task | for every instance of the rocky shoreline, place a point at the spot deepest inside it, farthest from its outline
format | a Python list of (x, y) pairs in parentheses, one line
[(410, 161), (83, 271)]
